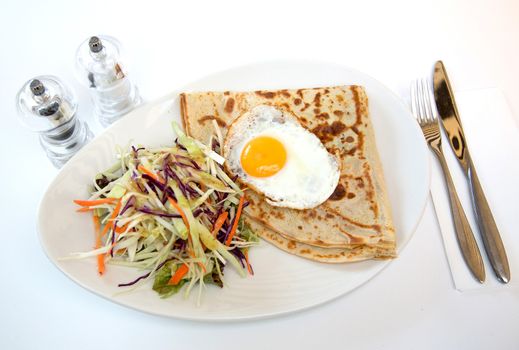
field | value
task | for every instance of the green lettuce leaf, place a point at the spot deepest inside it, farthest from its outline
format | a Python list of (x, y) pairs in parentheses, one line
[(160, 284), (247, 233), (214, 277)]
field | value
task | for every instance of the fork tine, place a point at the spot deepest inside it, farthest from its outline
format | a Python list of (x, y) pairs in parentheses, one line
[(414, 108), (421, 99), (417, 102), (426, 100), (432, 106), (421, 102)]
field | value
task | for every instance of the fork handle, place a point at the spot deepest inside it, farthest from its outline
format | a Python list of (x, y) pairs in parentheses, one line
[(487, 226), (467, 242)]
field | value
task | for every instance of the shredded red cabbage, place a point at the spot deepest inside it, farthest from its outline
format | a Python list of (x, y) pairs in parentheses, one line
[(228, 231), (168, 193), (141, 188), (153, 188), (195, 164), (136, 150), (251, 269), (239, 254), (184, 165), (192, 161), (165, 162), (224, 232), (221, 196), (149, 179), (179, 145), (215, 144), (180, 244), (129, 203), (144, 276), (191, 190), (136, 154), (211, 215), (174, 176), (147, 210), (113, 240)]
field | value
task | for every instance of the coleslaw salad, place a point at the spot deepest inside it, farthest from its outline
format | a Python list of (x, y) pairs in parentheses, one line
[(173, 213)]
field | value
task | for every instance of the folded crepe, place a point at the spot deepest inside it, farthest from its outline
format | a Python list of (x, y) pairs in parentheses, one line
[(327, 255), (355, 222)]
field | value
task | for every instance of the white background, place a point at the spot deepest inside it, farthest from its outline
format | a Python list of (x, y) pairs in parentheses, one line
[(412, 304)]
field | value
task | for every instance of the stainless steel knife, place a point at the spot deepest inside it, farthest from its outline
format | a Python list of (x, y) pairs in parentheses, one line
[(449, 115)]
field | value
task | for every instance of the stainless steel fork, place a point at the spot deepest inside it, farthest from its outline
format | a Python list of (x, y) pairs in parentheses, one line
[(428, 120)]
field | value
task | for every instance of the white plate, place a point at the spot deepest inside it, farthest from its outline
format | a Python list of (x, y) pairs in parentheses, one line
[(282, 283)]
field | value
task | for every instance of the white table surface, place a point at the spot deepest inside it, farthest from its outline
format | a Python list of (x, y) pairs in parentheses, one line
[(411, 305)]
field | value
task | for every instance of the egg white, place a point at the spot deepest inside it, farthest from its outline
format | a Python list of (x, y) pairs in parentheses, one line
[(310, 174)]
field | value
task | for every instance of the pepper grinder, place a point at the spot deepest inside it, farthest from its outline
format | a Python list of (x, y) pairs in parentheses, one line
[(47, 106), (99, 68)]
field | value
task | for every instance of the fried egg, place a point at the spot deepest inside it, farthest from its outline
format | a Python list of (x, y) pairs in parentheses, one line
[(269, 150)]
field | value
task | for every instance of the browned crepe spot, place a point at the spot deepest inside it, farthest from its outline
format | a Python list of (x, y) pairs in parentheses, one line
[(338, 193), (266, 94), (205, 118), (229, 105)]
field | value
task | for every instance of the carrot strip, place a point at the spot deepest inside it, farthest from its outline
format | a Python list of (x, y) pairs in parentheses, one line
[(101, 264), (112, 217), (236, 219), (202, 267), (177, 276), (180, 211), (121, 229), (184, 218), (84, 209), (219, 222), (97, 227), (156, 177), (249, 268), (94, 202), (100, 257), (191, 254)]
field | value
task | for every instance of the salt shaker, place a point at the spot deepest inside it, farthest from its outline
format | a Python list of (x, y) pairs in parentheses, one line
[(99, 67), (47, 106)]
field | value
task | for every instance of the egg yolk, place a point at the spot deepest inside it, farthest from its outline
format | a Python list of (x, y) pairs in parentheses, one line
[(263, 156)]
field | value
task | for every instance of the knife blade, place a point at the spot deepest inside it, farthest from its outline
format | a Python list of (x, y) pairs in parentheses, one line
[(449, 115)]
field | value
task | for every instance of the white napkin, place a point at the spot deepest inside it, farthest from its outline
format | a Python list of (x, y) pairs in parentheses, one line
[(492, 135)]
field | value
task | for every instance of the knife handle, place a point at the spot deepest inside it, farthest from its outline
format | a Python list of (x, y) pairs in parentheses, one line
[(467, 242), (487, 226)]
